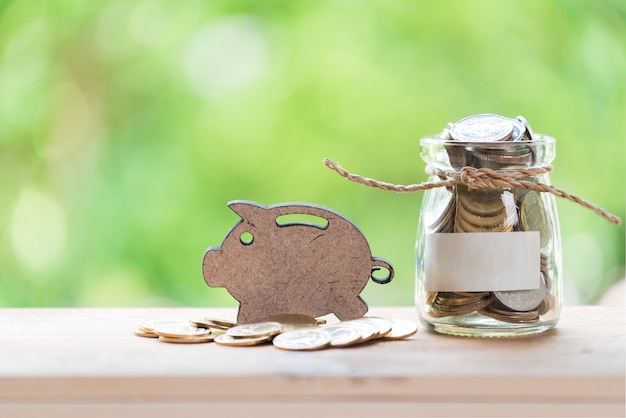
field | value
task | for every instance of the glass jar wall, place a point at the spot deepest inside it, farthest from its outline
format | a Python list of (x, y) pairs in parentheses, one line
[(488, 258)]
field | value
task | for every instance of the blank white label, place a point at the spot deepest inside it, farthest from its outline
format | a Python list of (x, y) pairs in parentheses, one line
[(482, 261)]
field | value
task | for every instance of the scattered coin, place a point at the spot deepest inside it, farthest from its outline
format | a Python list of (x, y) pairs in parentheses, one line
[(369, 330), (305, 339), (226, 339), (201, 323), (258, 329), (383, 325), (181, 330), (149, 326), (343, 335), (310, 336), (220, 323), (187, 340), (401, 328), (141, 333)]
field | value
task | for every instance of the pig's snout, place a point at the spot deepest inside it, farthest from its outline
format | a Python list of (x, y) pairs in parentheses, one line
[(210, 267)]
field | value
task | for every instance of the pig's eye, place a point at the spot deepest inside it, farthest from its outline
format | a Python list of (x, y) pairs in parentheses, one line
[(246, 238)]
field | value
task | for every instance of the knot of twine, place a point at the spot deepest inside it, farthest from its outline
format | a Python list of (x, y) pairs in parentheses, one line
[(474, 179)]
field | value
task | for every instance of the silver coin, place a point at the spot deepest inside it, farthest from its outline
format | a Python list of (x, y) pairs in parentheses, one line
[(149, 326), (523, 300), (241, 342), (383, 325), (482, 128), (401, 328), (343, 335), (303, 339), (519, 130), (258, 329), (369, 330), (181, 330), (529, 134)]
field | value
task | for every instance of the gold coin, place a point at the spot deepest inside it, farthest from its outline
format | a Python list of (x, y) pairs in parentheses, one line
[(343, 335), (187, 340), (201, 323), (141, 333), (532, 213), (510, 316), (303, 339), (220, 323), (225, 339), (440, 308), (479, 220), (401, 328), (483, 202), (181, 330), (258, 329)]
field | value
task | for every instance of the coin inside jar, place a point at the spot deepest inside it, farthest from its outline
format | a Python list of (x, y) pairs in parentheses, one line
[(523, 300), (532, 217)]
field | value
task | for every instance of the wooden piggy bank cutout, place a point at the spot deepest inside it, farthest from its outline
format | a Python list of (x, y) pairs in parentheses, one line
[(273, 263)]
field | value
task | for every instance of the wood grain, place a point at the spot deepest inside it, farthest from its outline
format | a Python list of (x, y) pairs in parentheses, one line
[(56, 362)]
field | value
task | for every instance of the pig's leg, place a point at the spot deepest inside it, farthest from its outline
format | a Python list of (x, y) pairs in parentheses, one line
[(350, 309)]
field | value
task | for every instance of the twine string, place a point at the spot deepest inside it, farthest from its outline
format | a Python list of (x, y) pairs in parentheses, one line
[(474, 179)]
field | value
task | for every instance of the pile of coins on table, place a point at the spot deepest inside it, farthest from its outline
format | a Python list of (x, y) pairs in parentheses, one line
[(288, 332), (497, 143)]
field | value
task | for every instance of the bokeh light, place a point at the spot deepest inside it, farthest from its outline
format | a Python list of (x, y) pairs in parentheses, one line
[(127, 126)]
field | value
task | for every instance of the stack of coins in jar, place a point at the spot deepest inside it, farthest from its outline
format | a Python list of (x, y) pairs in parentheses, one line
[(489, 258)]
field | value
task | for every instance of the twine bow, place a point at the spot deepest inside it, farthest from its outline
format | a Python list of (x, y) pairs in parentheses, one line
[(476, 178)]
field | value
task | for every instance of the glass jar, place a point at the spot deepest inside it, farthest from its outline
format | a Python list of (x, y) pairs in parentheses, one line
[(489, 258)]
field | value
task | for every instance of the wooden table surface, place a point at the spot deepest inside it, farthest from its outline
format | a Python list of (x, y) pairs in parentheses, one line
[(87, 362)]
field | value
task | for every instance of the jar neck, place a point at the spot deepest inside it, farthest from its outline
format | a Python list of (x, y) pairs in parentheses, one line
[(453, 155)]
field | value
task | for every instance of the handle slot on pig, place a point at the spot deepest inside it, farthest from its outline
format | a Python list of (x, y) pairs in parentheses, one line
[(274, 263)]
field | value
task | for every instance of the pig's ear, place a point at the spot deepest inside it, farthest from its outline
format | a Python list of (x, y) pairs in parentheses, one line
[(248, 210)]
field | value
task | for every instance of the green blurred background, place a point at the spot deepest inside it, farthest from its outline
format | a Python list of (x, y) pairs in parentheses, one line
[(127, 126)]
